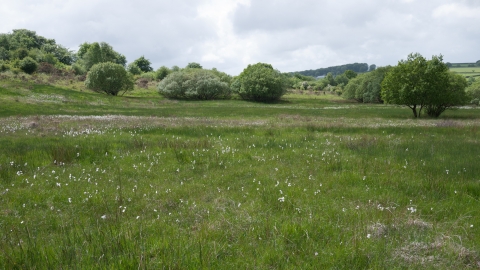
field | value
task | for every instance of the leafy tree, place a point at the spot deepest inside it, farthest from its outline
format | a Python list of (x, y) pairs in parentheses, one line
[(143, 63), (330, 79), (350, 74), (260, 82), (194, 84), (20, 53), (134, 69), (28, 65), (108, 77), (94, 53), (194, 65), (162, 72), (4, 54), (418, 82), (477, 63), (372, 67), (453, 94), (341, 79), (176, 68), (28, 40), (366, 87), (473, 92)]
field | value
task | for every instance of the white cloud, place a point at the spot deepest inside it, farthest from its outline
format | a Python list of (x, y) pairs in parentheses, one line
[(230, 34)]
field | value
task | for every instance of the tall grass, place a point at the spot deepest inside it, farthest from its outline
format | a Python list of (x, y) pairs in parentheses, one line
[(216, 195)]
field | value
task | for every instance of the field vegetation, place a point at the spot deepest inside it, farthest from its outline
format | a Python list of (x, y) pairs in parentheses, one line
[(312, 181), (194, 169), (467, 71)]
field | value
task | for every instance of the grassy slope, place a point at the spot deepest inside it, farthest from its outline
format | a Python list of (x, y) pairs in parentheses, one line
[(467, 71), (310, 182)]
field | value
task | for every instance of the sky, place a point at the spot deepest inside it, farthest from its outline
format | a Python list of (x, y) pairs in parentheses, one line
[(291, 35)]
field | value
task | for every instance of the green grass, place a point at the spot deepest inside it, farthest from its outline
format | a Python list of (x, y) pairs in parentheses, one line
[(467, 71), (310, 182)]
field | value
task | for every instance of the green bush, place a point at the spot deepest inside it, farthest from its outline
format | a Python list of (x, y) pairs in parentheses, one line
[(4, 66), (134, 69), (194, 83), (162, 72), (109, 78), (151, 76), (260, 82), (79, 69), (28, 65)]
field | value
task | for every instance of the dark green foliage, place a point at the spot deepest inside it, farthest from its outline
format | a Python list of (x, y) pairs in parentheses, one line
[(4, 66), (341, 79), (260, 82), (336, 70), (194, 83), (109, 78), (21, 42), (20, 53), (453, 94), (134, 69), (477, 63), (91, 54), (4, 54), (162, 72), (350, 74), (473, 92), (28, 65), (418, 83), (366, 87), (143, 64), (194, 65)]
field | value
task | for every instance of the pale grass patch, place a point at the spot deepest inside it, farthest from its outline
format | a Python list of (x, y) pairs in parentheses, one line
[(438, 253)]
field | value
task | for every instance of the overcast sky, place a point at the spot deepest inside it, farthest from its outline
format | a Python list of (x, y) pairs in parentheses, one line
[(292, 35)]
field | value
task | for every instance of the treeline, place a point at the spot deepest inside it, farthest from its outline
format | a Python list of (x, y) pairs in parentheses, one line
[(337, 70), (416, 82)]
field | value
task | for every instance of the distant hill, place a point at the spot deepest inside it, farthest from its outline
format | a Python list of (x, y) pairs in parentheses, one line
[(464, 64), (336, 70)]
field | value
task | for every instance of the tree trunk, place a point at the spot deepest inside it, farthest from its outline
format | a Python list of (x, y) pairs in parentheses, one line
[(414, 110)]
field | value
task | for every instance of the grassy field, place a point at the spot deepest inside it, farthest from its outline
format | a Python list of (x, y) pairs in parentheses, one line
[(467, 71), (311, 182)]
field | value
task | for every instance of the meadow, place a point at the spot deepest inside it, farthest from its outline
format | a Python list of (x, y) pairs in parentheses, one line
[(467, 71), (310, 182)]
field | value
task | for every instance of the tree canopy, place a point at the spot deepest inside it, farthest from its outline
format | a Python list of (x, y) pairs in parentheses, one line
[(418, 83), (21, 43), (143, 64), (336, 70), (90, 54), (366, 87)]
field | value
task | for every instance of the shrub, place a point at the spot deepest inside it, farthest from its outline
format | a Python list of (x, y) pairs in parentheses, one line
[(162, 72), (151, 76), (4, 66), (47, 68), (79, 69), (260, 82), (109, 78), (28, 65), (134, 69), (194, 84)]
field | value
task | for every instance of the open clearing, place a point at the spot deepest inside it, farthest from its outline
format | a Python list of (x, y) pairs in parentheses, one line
[(311, 182)]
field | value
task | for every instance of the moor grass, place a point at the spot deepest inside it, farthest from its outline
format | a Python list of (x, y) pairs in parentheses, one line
[(310, 182)]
